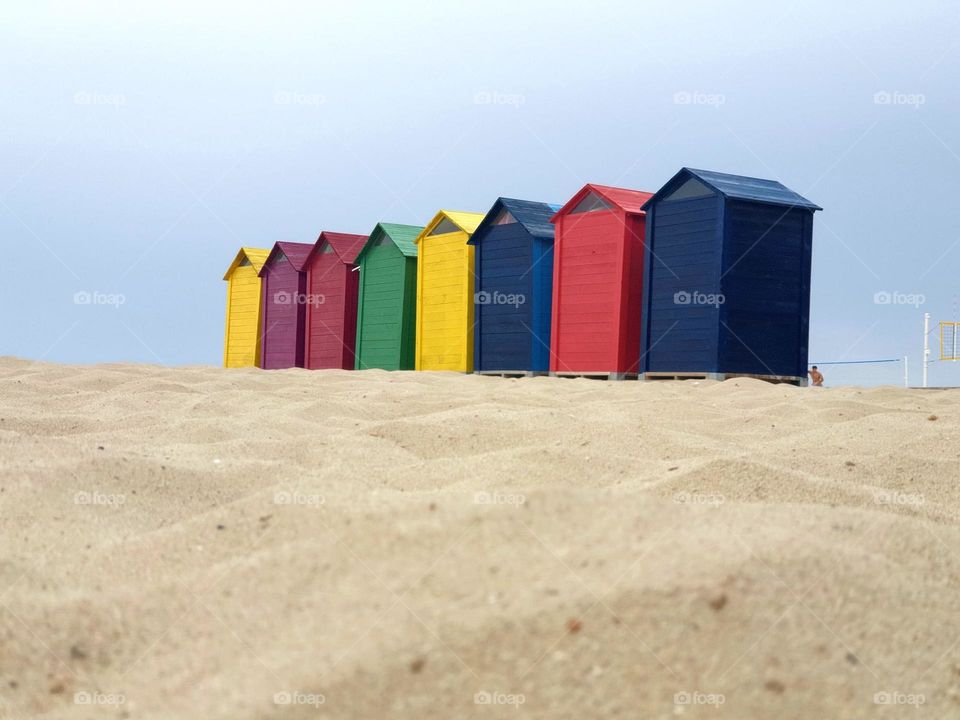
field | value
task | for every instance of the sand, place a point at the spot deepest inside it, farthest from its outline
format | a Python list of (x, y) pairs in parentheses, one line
[(204, 543)]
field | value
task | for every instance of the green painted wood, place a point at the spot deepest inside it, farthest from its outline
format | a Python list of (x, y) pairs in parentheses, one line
[(381, 306), (403, 236), (387, 310)]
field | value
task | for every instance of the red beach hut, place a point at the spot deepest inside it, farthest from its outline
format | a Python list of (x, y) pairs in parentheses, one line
[(332, 290), (597, 278), (284, 284)]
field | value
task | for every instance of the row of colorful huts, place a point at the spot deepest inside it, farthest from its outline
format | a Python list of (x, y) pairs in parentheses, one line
[(709, 276)]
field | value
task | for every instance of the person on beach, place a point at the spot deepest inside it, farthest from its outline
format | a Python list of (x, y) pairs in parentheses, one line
[(816, 377)]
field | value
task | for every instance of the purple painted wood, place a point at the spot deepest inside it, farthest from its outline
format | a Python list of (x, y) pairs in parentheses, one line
[(283, 290)]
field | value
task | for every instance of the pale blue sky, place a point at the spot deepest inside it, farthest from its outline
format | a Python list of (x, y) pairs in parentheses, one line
[(142, 144)]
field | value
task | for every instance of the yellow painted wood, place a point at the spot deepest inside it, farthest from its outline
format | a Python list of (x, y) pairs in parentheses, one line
[(445, 287), (242, 329)]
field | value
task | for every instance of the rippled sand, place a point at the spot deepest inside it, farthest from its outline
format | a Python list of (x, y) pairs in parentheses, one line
[(203, 543)]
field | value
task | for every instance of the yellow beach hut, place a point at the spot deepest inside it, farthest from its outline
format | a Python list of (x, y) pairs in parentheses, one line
[(445, 292), (241, 338)]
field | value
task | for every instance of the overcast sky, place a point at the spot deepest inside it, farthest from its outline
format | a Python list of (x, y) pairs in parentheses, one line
[(143, 144)]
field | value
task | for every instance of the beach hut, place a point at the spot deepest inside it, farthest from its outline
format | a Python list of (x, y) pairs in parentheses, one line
[(727, 289), (445, 292), (241, 337), (597, 273), (332, 301), (513, 288), (387, 301), (284, 309)]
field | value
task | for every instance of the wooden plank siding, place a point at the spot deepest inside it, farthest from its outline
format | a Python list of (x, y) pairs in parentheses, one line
[(597, 283), (686, 259), (748, 242), (385, 321), (502, 338), (331, 307), (445, 289), (766, 286), (242, 328), (284, 313), (514, 261)]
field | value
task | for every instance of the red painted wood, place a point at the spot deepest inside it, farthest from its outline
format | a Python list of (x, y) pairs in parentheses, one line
[(597, 283), (332, 293)]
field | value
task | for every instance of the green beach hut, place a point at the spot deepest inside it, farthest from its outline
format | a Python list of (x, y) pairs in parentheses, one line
[(387, 307)]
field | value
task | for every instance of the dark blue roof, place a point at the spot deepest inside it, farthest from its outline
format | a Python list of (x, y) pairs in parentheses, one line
[(742, 187), (534, 216)]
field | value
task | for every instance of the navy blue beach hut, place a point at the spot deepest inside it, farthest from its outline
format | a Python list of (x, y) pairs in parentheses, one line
[(727, 279), (513, 288)]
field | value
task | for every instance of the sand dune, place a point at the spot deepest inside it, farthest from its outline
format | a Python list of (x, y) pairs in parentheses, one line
[(202, 543)]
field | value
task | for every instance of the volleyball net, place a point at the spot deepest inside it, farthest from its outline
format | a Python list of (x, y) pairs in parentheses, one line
[(879, 371), (948, 340), (884, 371)]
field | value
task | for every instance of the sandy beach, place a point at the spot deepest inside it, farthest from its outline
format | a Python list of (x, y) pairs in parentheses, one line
[(204, 543)]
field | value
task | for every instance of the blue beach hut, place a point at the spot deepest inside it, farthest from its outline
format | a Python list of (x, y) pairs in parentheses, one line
[(727, 279), (513, 288)]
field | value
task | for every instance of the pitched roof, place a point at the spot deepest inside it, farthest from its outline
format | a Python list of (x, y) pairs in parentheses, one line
[(345, 245), (742, 187), (403, 236), (296, 253), (466, 221), (534, 216), (256, 256), (631, 201)]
